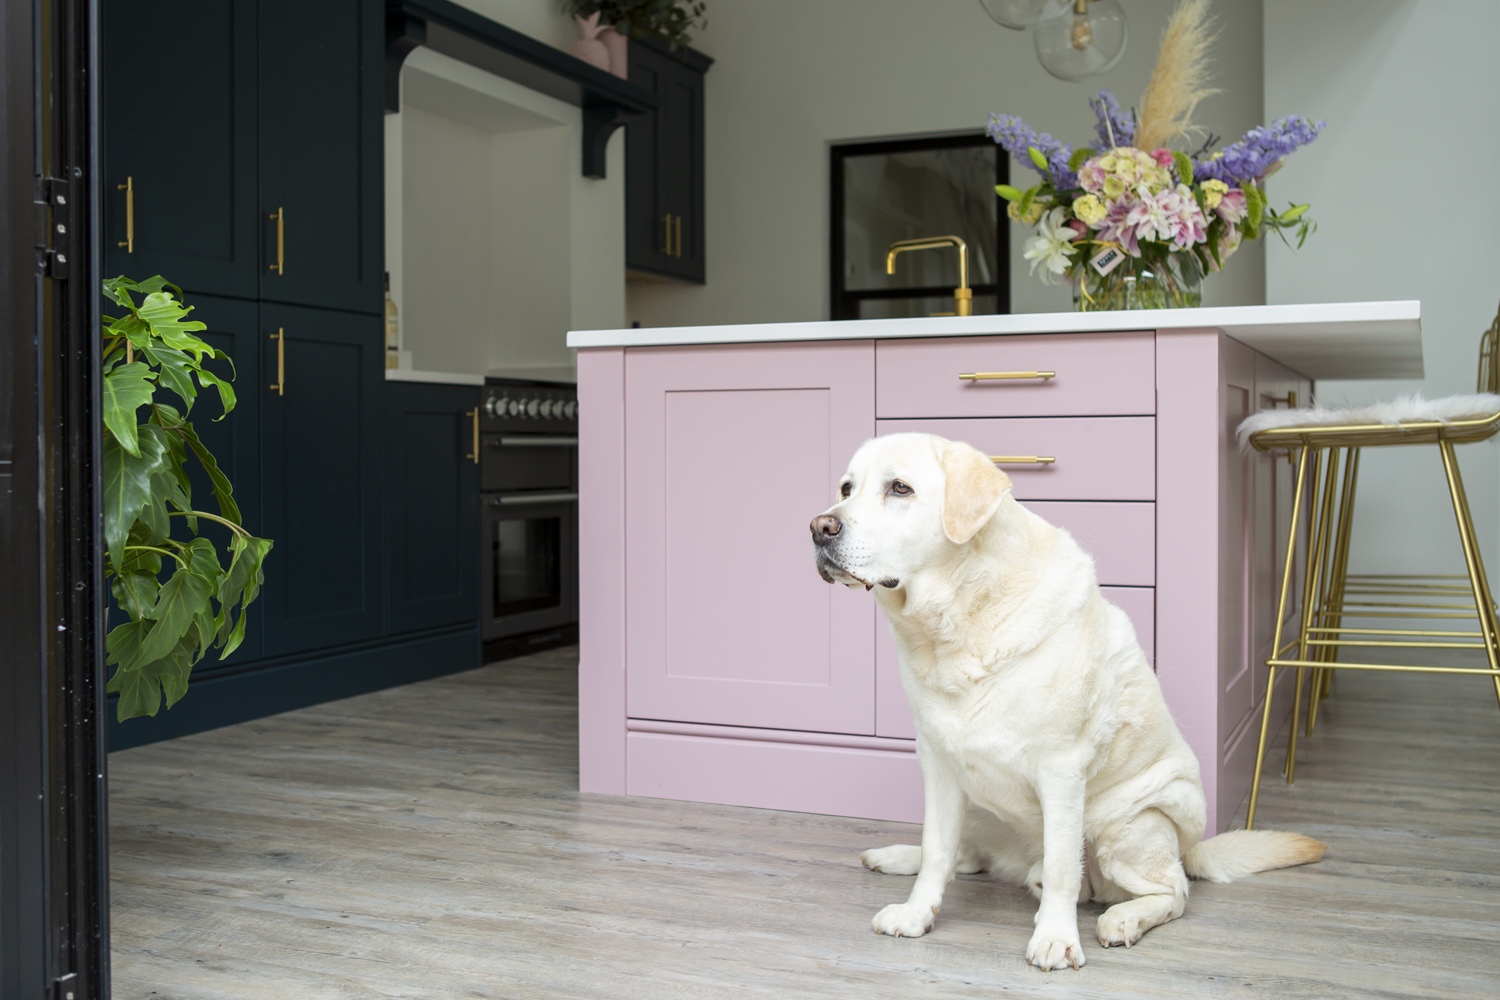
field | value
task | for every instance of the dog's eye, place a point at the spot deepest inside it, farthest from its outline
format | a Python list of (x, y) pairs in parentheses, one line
[(900, 489), (845, 490)]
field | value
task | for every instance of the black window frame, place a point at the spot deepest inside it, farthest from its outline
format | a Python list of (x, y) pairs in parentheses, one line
[(844, 303)]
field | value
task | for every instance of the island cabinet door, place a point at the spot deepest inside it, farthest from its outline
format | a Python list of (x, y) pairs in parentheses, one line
[(730, 453)]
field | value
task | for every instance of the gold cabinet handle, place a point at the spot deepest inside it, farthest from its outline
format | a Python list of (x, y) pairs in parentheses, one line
[(475, 453), (988, 376), (129, 188), (678, 226), (1022, 459), (280, 337), (280, 216)]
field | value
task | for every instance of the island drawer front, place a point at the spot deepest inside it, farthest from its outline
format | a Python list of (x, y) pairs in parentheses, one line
[(1121, 537), (1096, 458), (1108, 374)]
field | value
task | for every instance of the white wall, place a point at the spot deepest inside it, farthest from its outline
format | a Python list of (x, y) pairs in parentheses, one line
[(1403, 186), (792, 76), (496, 243)]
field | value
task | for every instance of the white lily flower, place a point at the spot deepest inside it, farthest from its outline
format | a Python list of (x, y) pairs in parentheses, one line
[(1051, 246)]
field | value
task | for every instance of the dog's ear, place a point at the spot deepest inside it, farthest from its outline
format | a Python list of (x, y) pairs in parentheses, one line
[(973, 491)]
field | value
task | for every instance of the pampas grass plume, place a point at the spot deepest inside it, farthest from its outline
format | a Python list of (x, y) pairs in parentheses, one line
[(1180, 79)]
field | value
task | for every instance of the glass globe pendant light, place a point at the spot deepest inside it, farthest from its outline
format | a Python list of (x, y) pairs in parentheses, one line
[(1080, 38), (1017, 14)]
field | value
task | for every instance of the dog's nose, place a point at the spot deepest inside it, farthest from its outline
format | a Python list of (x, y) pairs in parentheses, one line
[(825, 528)]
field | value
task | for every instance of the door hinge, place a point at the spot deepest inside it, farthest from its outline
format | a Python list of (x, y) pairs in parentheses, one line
[(65, 987), (56, 251)]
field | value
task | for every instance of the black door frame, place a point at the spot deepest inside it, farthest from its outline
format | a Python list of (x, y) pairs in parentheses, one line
[(53, 820)]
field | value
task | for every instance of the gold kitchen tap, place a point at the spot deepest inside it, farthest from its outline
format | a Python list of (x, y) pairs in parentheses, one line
[(963, 298)]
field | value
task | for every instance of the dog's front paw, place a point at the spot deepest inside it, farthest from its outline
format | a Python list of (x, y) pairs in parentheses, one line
[(1055, 948), (898, 859), (904, 920), (1118, 926)]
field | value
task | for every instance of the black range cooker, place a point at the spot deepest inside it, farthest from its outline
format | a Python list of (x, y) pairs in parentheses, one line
[(528, 472)]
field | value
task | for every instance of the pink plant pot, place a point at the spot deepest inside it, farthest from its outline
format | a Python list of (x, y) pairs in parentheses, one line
[(619, 51)]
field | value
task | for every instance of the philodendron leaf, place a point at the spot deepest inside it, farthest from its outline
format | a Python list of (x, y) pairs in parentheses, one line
[(138, 696), (126, 389), (127, 489), (136, 592), (174, 371), (239, 587), (223, 491), (207, 378), (181, 598), (164, 315)]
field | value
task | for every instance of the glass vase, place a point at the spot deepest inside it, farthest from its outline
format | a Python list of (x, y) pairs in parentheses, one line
[(1138, 284)]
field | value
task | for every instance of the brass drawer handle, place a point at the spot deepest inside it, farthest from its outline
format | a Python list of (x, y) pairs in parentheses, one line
[(280, 216), (1022, 459), (129, 188), (475, 453), (988, 376), (280, 337), (677, 224), (666, 222)]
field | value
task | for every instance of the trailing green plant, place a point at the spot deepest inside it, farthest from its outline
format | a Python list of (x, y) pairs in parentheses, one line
[(151, 355), (669, 20)]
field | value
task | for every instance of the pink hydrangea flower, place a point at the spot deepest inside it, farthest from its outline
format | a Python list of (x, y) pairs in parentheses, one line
[(1232, 207), (1163, 157)]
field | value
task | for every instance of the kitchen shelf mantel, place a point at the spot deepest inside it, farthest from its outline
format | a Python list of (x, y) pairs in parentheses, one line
[(460, 33)]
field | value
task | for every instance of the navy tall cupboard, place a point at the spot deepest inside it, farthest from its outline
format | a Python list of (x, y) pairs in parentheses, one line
[(242, 157)]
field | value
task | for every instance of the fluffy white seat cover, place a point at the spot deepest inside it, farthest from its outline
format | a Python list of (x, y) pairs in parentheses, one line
[(1402, 410)]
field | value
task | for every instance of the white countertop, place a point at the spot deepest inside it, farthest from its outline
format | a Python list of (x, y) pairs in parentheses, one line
[(1355, 340), (441, 378)]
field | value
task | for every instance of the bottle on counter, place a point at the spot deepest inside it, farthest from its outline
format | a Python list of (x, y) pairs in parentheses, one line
[(392, 329)]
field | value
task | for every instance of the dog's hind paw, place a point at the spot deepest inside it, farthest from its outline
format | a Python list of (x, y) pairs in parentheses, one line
[(1116, 929), (1048, 950), (904, 920), (898, 859)]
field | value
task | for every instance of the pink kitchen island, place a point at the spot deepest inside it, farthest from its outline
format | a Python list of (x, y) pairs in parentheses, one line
[(717, 666)]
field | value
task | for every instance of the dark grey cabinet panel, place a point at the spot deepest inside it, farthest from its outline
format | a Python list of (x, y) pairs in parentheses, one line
[(321, 153), (664, 165), (179, 127), (320, 476), (431, 506)]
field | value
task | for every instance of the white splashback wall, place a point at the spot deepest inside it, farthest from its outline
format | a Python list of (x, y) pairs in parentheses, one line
[(793, 76), (1402, 183)]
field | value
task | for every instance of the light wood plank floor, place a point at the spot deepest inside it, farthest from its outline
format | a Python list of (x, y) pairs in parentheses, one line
[(429, 842)]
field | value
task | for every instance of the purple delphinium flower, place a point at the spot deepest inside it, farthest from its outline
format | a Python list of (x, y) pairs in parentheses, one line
[(1016, 137), (1122, 123), (1259, 150)]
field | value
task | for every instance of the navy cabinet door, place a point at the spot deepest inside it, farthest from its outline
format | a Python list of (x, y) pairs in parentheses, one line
[(664, 165), (320, 476), (179, 121), (234, 440), (321, 139), (431, 506)]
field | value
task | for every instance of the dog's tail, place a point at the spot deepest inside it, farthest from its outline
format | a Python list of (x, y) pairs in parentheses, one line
[(1244, 852)]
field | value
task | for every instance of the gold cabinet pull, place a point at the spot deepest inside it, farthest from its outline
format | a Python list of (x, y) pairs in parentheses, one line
[(280, 216), (677, 225), (280, 337), (989, 376), (129, 188), (475, 453), (1022, 459)]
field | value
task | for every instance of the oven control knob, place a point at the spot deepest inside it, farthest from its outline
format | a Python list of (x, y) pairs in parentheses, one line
[(495, 406), (532, 407), (513, 408), (570, 408), (546, 409)]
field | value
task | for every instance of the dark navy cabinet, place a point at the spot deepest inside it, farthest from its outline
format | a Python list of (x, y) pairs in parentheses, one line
[(431, 505), (321, 142), (664, 164), (179, 142), (320, 476)]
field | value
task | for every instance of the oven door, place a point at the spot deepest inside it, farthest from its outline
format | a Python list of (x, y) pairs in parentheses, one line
[(530, 561)]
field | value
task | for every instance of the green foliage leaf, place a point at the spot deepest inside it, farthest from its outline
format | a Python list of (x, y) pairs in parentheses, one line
[(1080, 156), (1184, 166), (174, 371), (127, 489), (1293, 213), (182, 597), (207, 378), (163, 314), (1255, 206), (223, 491), (126, 389), (136, 592), (1008, 192)]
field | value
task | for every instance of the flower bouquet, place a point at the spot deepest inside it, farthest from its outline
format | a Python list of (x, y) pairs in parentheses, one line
[(1131, 223)]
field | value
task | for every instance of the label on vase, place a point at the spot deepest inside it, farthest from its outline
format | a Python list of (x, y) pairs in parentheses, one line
[(1108, 259)]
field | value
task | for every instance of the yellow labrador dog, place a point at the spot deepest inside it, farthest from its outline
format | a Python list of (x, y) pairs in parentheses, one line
[(1047, 752)]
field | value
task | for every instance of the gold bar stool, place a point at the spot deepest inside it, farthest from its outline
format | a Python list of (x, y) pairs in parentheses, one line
[(1327, 443)]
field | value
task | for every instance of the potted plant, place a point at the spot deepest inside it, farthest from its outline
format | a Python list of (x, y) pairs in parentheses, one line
[(669, 20), (151, 361)]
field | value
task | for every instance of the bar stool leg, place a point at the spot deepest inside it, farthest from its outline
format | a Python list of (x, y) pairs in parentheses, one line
[(1337, 580), (1484, 602), (1311, 598), (1286, 584)]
